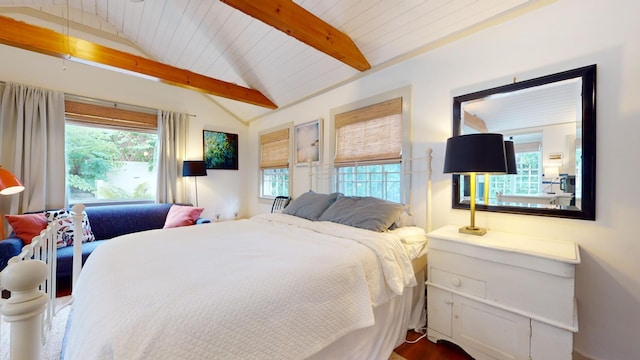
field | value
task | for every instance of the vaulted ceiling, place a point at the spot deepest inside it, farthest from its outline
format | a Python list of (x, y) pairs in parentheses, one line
[(285, 51)]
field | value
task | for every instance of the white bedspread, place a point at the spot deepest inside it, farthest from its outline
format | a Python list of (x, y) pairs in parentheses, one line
[(272, 287)]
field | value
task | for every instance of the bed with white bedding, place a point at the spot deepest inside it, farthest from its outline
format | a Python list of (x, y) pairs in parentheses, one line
[(275, 286)]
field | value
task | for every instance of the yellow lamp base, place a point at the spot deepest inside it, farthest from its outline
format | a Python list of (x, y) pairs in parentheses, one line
[(473, 230)]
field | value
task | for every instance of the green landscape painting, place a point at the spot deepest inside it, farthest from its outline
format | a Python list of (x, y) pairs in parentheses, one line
[(220, 150)]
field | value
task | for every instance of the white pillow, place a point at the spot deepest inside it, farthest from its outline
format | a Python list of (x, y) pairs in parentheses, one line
[(410, 234)]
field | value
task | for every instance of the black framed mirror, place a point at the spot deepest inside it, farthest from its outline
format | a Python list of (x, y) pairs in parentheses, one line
[(552, 122)]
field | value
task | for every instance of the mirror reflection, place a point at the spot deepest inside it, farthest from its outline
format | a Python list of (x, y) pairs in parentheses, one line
[(552, 125)]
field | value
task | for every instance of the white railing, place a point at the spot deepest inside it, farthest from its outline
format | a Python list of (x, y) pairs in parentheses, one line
[(31, 278), (325, 178)]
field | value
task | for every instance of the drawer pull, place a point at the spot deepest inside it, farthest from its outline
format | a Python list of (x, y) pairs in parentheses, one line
[(456, 281), (448, 302)]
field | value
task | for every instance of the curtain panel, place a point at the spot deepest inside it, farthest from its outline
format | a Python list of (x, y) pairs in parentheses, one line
[(32, 146), (172, 143)]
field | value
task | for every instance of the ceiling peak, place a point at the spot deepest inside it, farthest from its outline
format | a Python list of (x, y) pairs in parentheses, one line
[(295, 21)]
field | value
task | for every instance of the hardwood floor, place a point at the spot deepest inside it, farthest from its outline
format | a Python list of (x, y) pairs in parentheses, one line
[(426, 350), (64, 286)]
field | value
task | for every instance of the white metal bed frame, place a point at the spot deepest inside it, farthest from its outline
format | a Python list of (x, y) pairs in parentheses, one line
[(31, 275), (31, 278), (409, 167)]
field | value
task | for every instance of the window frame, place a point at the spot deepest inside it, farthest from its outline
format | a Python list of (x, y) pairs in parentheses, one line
[(95, 113), (405, 93), (261, 170)]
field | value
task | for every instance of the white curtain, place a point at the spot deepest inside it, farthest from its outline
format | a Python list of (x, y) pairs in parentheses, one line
[(172, 143), (32, 146)]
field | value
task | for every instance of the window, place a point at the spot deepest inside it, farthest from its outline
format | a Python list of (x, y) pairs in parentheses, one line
[(110, 153), (383, 181), (274, 163), (368, 151), (528, 181)]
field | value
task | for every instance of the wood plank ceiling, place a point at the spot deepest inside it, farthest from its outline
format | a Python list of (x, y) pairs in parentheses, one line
[(216, 40)]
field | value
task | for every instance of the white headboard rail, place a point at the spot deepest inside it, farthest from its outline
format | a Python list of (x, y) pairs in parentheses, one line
[(31, 278), (412, 169)]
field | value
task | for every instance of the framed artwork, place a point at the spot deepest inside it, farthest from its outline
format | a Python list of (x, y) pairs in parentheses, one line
[(308, 142), (220, 150)]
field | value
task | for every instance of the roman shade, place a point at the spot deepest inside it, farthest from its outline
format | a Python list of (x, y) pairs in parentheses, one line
[(274, 149), (110, 116), (371, 133), (527, 147)]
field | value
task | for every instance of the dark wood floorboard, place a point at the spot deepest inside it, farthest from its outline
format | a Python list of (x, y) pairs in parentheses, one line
[(63, 286), (426, 350)]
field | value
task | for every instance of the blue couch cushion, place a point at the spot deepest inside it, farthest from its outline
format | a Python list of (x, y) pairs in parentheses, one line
[(114, 220), (65, 257), (106, 222), (11, 247)]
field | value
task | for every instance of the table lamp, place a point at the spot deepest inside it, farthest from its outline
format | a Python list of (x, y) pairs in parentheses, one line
[(510, 154), (9, 185), (512, 167), (471, 154), (194, 168)]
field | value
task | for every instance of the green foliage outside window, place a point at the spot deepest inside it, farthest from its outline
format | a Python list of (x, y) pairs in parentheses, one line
[(275, 182), (93, 153), (526, 182)]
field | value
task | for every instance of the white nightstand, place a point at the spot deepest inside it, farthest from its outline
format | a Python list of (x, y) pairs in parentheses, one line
[(501, 295)]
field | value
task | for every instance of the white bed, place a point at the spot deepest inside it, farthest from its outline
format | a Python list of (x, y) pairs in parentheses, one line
[(271, 287)]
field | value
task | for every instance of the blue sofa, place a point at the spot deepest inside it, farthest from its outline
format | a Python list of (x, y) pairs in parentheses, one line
[(106, 222)]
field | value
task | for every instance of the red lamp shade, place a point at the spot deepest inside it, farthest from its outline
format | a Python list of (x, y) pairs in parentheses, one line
[(9, 183)]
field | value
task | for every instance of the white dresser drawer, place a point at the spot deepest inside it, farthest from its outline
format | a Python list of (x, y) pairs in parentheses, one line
[(502, 296), (549, 296), (458, 282)]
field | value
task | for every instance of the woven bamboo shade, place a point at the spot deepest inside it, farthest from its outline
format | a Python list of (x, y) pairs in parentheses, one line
[(106, 116), (527, 147), (274, 149), (370, 133)]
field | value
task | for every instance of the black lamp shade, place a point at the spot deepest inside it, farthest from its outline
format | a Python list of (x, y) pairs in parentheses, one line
[(194, 168), (510, 153), (480, 153)]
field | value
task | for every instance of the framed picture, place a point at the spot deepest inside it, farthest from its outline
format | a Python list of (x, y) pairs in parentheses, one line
[(308, 142), (220, 150)]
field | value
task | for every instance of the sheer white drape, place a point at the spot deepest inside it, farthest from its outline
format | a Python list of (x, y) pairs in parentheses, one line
[(172, 142), (32, 146)]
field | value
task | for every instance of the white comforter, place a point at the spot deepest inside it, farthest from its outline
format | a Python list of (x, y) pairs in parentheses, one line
[(272, 287)]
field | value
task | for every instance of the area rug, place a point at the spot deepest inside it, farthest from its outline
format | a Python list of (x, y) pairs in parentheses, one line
[(51, 350), (395, 356)]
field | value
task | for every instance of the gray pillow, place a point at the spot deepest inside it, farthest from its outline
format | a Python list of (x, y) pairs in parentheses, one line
[(310, 205), (363, 212)]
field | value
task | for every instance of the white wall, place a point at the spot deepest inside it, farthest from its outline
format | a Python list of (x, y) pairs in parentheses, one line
[(221, 191), (563, 35)]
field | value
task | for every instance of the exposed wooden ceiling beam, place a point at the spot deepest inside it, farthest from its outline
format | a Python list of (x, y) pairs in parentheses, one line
[(34, 38), (475, 122), (294, 20)]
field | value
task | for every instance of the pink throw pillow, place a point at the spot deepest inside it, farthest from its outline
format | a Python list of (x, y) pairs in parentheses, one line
[(27, 226), (182, 216)]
